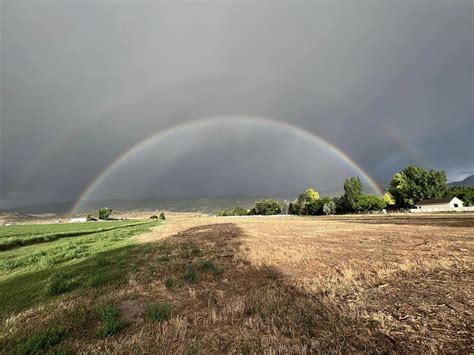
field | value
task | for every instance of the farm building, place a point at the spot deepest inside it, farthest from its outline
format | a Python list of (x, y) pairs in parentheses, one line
[(439, 205), (78, 220)]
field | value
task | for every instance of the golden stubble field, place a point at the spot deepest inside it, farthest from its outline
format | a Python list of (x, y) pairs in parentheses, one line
[(396, 283), (399, 282)]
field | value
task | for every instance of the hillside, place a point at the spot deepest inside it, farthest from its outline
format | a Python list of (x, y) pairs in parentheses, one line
[(469, 181)]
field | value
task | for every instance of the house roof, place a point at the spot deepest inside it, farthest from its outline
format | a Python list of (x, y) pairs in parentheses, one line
[(435, 201)]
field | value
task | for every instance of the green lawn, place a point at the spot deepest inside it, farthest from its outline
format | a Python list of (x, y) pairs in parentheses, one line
[(89, 260), (19, 235)]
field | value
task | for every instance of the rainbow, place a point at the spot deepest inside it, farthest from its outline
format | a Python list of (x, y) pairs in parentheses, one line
[(209, 122)]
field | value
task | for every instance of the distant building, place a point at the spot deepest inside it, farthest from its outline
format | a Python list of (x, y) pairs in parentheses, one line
[(78, 220), (439, 205)]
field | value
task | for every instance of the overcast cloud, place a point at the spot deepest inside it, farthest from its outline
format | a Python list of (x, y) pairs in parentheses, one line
[(390, 83)]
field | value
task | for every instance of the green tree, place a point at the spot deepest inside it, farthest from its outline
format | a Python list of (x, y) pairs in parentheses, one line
[(305, 200), (292, 208), (239, 211), (329, 208), (464, 193), (388, 199), (413, 184), (316, 207), (352, 191), (367, 203), (266, 207), (104, 213)]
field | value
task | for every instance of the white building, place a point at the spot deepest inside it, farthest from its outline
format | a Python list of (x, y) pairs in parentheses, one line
[(78, 220), (439, 205)]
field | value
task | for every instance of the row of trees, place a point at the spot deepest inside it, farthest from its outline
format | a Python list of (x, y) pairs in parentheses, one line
[(406, 189)]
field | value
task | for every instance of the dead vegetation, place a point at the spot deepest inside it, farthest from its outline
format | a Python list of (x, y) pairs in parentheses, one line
[(285, 285)]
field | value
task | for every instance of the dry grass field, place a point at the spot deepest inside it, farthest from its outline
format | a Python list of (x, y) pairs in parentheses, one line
[(378, 284)]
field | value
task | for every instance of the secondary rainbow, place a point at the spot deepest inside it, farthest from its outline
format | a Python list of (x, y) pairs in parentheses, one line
[(208, 122)]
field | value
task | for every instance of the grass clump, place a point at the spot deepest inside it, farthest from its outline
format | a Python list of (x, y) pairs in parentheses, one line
[(164, 258), (171, 282), (206, 265), (103, 262), (159, 312), (109, 314), (40, 341), (190, 274), (58, 282), (209, 265)]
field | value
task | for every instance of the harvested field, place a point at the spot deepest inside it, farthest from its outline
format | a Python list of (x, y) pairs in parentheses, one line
[(275, 285)]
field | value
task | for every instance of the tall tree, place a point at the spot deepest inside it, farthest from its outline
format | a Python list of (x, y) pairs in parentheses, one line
[(352, 191), (414, 183)]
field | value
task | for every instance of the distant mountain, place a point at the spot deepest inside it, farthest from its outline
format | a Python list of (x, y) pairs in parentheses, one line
[(469, 181), (192, 204)]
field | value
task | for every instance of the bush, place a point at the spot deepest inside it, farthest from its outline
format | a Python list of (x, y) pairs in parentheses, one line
[(159, 312), (58, 282), (162, 216), (110, 316), (41, 341), (239, 211), (104, 213), (266, 207), (154, 217)]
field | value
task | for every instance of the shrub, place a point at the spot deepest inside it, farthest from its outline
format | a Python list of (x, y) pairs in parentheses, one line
[(109, 314), (104, 213), (239, 211), (159, 312), (41, 341), (190, 274), (154, 217), (58, 282), (162, 216)]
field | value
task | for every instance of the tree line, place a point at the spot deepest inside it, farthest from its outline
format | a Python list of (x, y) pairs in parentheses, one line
[(406, 189)]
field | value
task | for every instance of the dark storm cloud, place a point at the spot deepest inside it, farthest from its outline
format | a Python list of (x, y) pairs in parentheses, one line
[(389, 82)]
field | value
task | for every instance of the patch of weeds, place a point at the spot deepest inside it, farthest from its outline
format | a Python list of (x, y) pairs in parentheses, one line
[(164, 258), (40, 341), (98, 280), (191, 250), (193, 349), (159, 312), (109, 314), (206, 265), (103, 262), (58, 282), (171, 282), (210, 266), (218, 270), (190, 274)]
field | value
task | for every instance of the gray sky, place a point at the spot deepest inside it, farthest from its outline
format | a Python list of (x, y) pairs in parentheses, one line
[(389, 83)]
